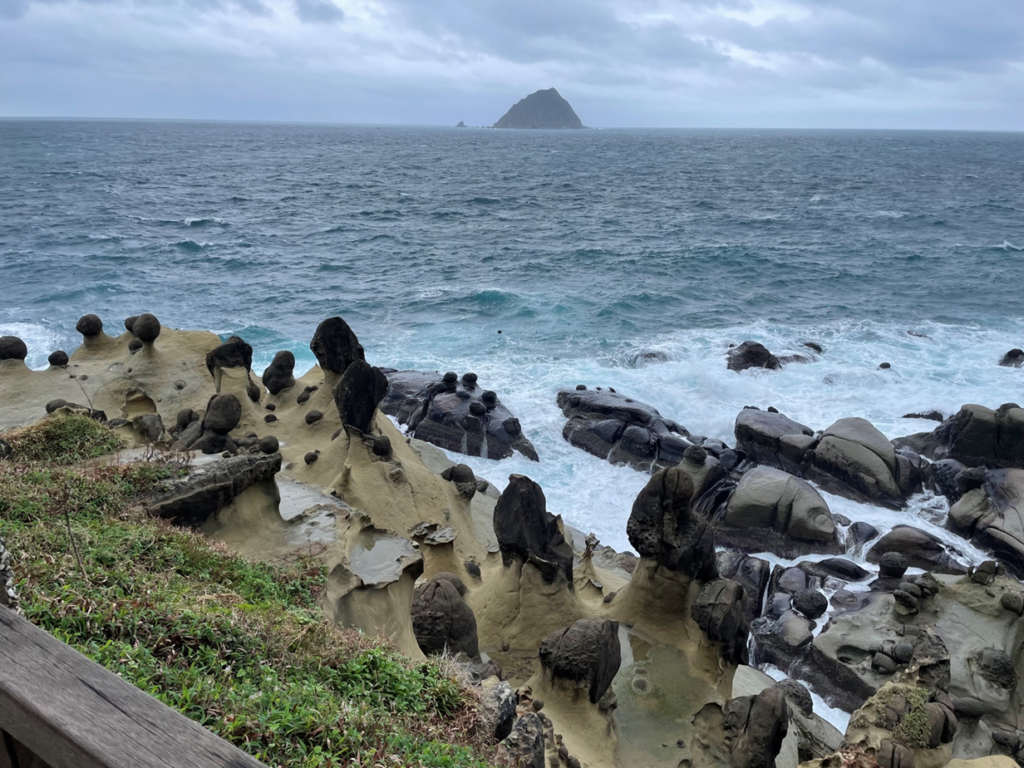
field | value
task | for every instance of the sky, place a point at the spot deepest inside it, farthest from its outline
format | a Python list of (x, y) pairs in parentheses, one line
[(941, 64)]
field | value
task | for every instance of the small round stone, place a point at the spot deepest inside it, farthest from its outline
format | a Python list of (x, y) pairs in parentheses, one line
[(695, 454), (892, 565), (903, 652), (884, 367), (129, 321), (311, 457), (271, 407), (270, 418), (538, 705), (450, 378), (58, 359), (313, 417), (12, 348), (269, 444), (477, 408), (469, 378), (490, 398), (89, 325), (381, 445)]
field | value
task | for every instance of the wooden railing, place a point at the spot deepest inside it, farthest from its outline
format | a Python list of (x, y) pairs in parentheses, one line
[(59, 709)]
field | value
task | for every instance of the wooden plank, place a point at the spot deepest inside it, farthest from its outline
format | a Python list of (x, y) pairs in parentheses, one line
[(73, 713)]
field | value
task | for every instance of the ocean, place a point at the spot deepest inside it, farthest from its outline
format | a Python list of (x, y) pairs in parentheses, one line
[(542, 260)]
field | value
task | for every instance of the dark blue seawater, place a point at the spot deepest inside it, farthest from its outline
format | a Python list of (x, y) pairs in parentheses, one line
[(581, 247)]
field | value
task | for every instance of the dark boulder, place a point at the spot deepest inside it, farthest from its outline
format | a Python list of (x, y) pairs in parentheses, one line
[(280, 374), (751, 354), (771, 510), (525, 745), (773, 439), (223, 412), (146, 328), (233, 353), (620, 429), (797, 695), (720, 610), (455, 413), (12, 348), (587, 654), (1013, 359), (527, 532), (89, 326), (920, 548), (811, 603), (336, 346), (663, 528), (269, 444), (978, 436), (991, 514), (58, 359), (441, 619), (358, 393)]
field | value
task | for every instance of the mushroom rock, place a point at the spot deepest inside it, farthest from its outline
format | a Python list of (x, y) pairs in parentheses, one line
[(89, 326), (335, 346), (586, 655), (280, 374), (441, 619), (146, 328), (12, 348), (663, 529), (233, 353), (58, 359), (532, 593), (358, 393), (527, 532), (223, 412)]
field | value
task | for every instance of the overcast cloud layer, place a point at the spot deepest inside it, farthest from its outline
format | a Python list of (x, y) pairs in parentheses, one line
[(743, 63)]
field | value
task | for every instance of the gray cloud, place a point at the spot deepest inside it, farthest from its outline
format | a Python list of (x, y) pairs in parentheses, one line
[(827, 63), (318, 11)]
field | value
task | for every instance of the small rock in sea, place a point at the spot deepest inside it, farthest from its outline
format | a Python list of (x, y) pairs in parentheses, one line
[(884, 367)]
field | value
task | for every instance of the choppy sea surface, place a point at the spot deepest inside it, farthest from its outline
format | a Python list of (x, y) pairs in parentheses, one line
[(542, 260)]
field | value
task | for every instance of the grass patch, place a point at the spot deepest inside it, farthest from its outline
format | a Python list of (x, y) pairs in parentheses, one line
[(238, 646), (63, 439)]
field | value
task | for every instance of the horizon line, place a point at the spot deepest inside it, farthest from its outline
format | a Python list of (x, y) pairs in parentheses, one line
[(265, 121)]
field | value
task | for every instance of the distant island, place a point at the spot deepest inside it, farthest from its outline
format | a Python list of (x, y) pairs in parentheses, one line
[(462, 124), (543, 109)]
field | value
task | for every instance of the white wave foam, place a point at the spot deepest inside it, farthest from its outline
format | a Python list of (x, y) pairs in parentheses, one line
[(41, 340)]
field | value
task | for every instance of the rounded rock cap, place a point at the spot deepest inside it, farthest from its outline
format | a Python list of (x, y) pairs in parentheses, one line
[(59, 358), (89, 325), (146, 327), (892, 565), (12, 348)]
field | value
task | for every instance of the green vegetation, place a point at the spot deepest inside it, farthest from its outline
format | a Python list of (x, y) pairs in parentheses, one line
[(240, 647), (62, 440), (914, 727)]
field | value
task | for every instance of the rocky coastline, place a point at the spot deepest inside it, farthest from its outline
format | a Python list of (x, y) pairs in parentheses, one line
[(585, 656)]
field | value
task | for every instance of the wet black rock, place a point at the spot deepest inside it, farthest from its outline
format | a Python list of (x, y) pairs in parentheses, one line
[(335, 346), (280, 374), (455, 414), (811, 603), (622, 430), (527, 532), (1013, 359), (751, 354), (975, 436), (587, 654), (920, 548)]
